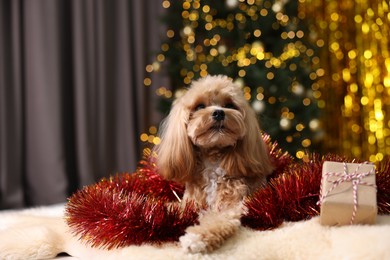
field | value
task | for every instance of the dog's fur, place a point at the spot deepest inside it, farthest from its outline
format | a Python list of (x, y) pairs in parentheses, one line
[(211, 142)]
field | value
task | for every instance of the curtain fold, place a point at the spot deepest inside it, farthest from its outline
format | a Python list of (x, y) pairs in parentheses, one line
[(11, 106), (72, 100), (42, 88)]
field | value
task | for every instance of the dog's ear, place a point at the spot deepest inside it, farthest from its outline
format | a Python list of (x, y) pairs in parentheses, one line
[(175, 155), (256, 154), (250, 156)]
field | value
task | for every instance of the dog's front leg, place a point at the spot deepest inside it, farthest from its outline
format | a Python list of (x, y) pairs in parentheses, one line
[(214, 228)]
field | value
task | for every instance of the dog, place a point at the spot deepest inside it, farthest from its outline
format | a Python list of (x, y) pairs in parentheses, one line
[(211, 143)]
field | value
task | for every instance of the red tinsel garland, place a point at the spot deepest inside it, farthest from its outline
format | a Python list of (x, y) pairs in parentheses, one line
[(131, 209)]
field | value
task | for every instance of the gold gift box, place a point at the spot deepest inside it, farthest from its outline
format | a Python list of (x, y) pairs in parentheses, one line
[(337, 194)]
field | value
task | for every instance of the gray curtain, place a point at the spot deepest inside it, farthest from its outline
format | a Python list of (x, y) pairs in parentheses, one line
[(72, 100)]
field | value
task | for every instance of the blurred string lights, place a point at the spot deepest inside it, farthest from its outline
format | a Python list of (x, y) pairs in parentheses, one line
[(350, 78), (212, 52), (356, 83)]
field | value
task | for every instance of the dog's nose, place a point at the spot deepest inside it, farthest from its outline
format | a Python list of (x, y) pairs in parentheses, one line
[(218, 115)]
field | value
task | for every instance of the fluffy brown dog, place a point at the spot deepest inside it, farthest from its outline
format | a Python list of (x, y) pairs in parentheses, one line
[(211, 142)]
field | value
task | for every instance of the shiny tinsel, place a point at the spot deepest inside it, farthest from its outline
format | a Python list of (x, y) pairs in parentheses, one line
[(131, 209), (383, 187), (291, 196)]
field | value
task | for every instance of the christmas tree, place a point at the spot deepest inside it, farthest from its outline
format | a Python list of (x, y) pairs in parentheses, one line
[(263, 45)]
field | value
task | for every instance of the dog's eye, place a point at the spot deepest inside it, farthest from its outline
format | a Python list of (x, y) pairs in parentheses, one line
[(199, 107), (231, 106)]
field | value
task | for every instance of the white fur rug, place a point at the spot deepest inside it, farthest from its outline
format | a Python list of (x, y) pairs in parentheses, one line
[(41, 233)]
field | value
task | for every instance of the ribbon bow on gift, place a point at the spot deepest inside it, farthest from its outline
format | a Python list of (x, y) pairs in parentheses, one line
[(356, 178)]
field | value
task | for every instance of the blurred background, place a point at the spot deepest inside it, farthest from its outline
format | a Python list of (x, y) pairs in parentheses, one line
[(84, 84)]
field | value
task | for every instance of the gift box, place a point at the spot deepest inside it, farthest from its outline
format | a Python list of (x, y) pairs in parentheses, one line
[(348, 194)]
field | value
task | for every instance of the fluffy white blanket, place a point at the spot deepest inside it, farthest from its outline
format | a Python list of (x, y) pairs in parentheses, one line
[(41, 233)]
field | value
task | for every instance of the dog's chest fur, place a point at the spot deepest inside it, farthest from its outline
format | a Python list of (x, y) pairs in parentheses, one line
[(214, 188), (213, 176)]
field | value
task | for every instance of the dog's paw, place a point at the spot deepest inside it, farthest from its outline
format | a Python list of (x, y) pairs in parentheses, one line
[(192, 243)]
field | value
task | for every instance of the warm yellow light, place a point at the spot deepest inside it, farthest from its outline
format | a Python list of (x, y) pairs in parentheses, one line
[(144, 137), (353, 87), (299, 127), (270, 75), (386, 81), (334, 46), (352, 54), (299, 154), (147, 81), (156, 140), (194, 16), (364, 100), (358, 18), (365, 28), (306, 143), (334, 16), (166, 4), (186, 5), (153, 130), (160, 57), (346, 75), (367, 54)]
